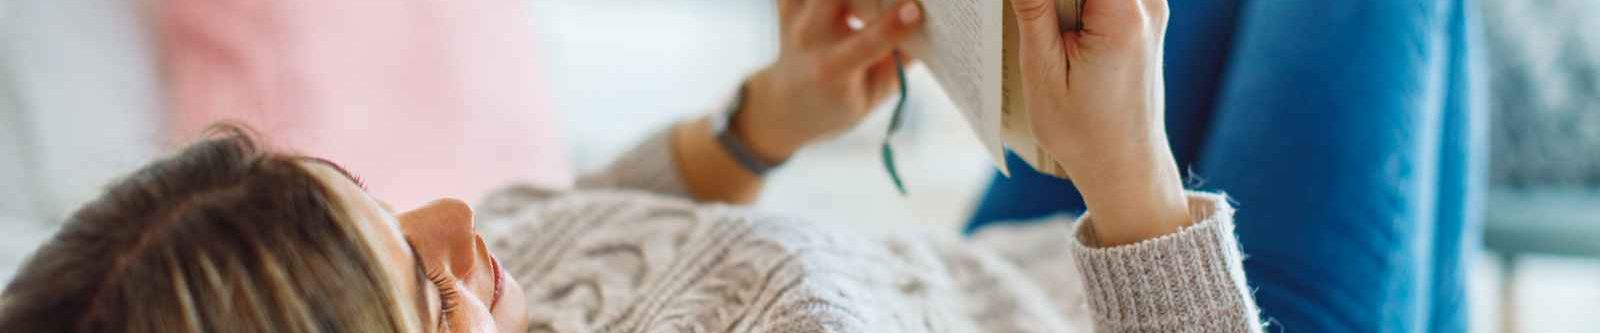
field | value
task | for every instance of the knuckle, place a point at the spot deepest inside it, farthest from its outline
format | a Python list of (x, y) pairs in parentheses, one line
[(884, 32), (1124, 43), (1029, 10)]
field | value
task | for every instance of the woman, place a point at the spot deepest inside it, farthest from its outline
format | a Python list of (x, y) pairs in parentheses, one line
[(226, 236)]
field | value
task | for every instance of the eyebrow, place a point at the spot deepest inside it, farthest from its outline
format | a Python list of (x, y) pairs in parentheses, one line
[(422, 288)]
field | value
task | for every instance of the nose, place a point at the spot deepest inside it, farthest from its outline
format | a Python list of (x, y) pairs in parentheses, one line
[(451, 209), (442, 231)]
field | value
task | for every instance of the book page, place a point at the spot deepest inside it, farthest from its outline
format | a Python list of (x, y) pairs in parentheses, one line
[(960, 44), (963, 37), (969, 47)]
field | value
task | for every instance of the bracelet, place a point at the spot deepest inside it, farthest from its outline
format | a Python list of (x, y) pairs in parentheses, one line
[(722, 125)]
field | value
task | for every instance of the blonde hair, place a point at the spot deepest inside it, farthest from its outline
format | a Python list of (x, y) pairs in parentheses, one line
[(222, 237)]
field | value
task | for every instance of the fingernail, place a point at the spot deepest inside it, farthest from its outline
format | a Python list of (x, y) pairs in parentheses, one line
[(909, 13)]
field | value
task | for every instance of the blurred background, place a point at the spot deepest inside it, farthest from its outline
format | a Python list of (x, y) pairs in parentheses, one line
[(80, 104)]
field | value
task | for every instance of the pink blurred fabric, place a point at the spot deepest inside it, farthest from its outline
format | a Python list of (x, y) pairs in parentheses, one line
[(421, 98)]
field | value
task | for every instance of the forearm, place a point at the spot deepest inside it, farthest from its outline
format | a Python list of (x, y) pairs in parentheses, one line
[(682, 160), (649, 166), (709, 171)]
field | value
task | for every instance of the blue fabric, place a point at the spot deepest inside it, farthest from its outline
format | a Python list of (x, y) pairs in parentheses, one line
[(1350, 135)]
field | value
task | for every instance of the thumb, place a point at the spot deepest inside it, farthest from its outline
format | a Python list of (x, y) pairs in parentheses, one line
[(1039, 27), (1113, 19), (1040, 49)]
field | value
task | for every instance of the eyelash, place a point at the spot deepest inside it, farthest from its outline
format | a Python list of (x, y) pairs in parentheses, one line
[(447, 293)]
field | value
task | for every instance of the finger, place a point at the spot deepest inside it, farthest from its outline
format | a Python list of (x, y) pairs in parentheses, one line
[(883, 79), (1040, 46), (820, 18), (879, 38), (1039, 28), (906, 60), (1158, 12), (788, 11), (790, 6)]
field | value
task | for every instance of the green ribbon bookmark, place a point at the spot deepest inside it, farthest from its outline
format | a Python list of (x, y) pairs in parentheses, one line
[(894, 126)]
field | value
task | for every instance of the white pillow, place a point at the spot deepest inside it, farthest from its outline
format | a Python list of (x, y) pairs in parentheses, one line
[(19, 238), (83, 99), (16, 198)]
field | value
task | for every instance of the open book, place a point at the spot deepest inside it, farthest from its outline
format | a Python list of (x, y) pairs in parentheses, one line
[(969, 46)]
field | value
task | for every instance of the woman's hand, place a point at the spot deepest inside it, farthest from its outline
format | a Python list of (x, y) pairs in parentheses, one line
[(827, 77), (1096, 99)]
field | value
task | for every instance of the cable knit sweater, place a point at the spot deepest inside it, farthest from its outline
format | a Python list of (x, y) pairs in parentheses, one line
[(628, 251)]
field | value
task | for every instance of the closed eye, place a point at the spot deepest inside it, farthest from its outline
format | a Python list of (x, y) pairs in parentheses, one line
[(449, 296)]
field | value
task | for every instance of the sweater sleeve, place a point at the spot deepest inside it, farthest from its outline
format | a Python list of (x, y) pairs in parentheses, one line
[(1189, 281), (649, 166)]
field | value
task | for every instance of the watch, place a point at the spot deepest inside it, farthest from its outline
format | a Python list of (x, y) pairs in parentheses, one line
[(731, 142)]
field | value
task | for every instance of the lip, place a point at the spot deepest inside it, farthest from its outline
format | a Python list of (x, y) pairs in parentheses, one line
[(499, 282), (494, 265)]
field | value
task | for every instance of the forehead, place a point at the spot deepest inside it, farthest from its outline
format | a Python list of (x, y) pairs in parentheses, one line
[(359, 207)]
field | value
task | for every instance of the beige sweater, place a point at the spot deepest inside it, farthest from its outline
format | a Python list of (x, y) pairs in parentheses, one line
[(629, 252)]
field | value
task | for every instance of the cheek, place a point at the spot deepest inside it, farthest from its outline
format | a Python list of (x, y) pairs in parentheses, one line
[(473, 316), (512, 312)]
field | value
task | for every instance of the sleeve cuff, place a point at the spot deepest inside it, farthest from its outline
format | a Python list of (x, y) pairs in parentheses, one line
[(650, 166), (1185, 281)]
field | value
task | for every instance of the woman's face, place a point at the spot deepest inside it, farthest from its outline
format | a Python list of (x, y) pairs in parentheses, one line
[(439, 263)]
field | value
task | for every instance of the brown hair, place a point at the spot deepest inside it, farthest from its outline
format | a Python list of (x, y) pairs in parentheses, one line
[(221, 237)]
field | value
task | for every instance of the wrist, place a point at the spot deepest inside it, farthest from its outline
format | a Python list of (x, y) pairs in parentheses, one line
[(753, 121), (1134, 200)]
